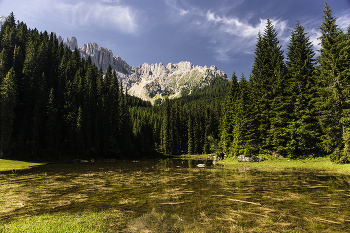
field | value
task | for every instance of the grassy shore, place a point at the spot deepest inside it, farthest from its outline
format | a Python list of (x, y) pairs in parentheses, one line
[(275, 165), (322, 164), (8, 165)]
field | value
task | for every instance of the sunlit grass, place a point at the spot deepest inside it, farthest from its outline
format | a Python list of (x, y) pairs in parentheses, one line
[(8, 165), (275, 165), (87, 221)]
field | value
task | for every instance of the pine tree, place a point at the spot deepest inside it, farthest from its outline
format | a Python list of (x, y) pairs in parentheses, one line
[(303, 127), (167, 129), (7, 105), (51, 123), (79, 132), (334, 82), (7, 45), (190, 143), (268, 77), (229, 115)]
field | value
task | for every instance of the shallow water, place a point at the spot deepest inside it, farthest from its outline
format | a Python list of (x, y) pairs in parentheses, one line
[(177, 196)]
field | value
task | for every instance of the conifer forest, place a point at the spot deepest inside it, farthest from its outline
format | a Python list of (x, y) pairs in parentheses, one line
[(54, 105)]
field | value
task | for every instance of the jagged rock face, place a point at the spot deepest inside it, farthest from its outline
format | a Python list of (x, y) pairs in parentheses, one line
[(172, 80), (152, 81), (147, 81)]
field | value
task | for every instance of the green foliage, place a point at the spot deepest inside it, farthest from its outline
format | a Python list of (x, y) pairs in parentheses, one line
[(289, 107), (333, 79), (303, 129), (268, 85), (217, 88), (7, 105), (54, 101)]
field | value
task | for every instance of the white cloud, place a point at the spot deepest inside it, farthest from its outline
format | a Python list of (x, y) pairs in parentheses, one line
[(226, 36), (109, 1), (178, 12), (232, 35), (80, 14), (344, 20), (236, 36), (314, 34), (107, 16), (174, 5)]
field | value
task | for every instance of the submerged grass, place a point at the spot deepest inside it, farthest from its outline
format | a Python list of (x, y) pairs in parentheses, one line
[(8, 165), (176, 196)]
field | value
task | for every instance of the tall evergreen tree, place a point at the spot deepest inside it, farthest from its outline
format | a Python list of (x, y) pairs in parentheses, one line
[(334, 82), (229, 115), (7, 105), (7, 45), (190, 142), (167, 129), (268, 77), (303, 127), (51, 123)]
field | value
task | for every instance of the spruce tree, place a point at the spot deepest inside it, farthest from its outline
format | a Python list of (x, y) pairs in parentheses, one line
[(51, 122), (190, 142), (303, 128), (334, 83), (7, 45), (167, 129), (7, 105), (268, 77), (229, 115)]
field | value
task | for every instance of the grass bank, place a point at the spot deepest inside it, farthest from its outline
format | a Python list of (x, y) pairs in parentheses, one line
[(275, 165), (322, 164), (195, 157), (8, 165)]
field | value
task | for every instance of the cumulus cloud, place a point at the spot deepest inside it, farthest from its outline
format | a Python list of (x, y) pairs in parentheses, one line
[(109, 14), (227, 36)]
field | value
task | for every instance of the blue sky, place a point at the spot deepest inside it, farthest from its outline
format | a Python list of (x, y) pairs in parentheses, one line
[(221, 32)]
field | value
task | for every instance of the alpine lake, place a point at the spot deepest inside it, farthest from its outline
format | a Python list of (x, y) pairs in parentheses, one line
[(172, 195)]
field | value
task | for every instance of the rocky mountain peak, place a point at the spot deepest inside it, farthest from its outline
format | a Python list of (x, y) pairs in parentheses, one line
[(149, 81)]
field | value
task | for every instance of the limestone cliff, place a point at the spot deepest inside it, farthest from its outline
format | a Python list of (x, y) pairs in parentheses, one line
[(172, 80), (150, 82)]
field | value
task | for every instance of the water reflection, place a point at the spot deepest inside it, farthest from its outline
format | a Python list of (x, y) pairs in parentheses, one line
[(187, 198)]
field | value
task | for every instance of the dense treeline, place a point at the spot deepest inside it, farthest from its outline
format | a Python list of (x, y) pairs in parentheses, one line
[(187, 125), (295, 106), (55, 104)]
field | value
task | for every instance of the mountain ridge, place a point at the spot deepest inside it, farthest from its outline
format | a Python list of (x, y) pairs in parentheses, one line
[(149, 81)]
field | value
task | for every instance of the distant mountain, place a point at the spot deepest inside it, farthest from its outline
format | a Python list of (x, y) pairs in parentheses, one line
[(150, 82)]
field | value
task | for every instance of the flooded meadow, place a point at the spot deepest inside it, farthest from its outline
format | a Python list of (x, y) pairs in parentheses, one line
[(172, 195)]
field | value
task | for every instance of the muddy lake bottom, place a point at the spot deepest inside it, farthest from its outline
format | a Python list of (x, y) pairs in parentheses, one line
[(172, 196)]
